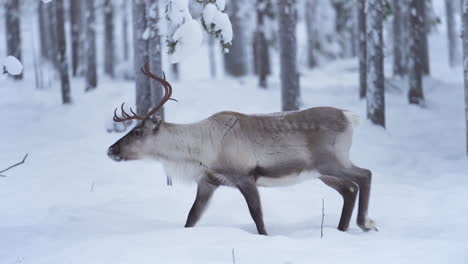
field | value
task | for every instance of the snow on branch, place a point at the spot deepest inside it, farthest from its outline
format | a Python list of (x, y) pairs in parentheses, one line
[(185, 35), (12, 66)]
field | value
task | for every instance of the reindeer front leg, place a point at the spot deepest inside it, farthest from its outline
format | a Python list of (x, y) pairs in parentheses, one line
[(205, 191), (249, 190)]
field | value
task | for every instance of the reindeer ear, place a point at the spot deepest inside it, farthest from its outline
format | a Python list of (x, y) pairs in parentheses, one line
[(156, 121)]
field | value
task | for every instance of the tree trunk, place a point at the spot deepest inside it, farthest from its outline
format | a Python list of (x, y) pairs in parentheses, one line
[(175, 71), (13, 31), (52, 38), (424, 49), (235, 61), (375, 63), (125, 31), (43, 31), (288, 49), (260, 46), (91, 67), (415, 60), (465, 65), (362, 53), (62, 62), (342, 27), (75, 32), (451, 33), (312, 34), (212, 55), (141, 57), (155, 58), (109, 51), (398, 43)]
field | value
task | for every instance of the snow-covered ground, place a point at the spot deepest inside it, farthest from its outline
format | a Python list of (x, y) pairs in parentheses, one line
[(71, 204)]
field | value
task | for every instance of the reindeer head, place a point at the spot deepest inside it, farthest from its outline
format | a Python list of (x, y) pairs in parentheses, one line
[(136, 143)]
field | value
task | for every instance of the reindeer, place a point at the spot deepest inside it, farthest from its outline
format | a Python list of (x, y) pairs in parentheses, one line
[(247, 151)]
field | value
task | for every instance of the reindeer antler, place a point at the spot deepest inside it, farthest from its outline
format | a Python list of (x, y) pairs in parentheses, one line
[(167, 96)]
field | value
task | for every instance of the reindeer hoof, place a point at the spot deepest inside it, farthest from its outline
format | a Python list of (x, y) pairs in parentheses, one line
[(367, 225)]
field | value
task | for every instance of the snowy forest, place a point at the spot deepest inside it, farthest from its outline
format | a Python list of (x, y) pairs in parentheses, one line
[(121, 118)]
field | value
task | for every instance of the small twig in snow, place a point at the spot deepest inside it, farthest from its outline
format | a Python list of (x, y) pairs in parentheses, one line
[(323, 216), (92, 187), (14, 165), (233, 256)]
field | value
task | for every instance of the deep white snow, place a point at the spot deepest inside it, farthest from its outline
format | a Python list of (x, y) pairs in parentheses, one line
[(12, 65), (71, 204)]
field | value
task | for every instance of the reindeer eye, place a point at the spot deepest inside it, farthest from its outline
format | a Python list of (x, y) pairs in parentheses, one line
[(138, 133)]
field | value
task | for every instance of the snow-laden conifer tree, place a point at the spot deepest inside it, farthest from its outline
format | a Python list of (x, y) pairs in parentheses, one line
[(90, 49), (415, 61), (375, 63), (288, 60), (109, 51), (62, 62), (13, 30)]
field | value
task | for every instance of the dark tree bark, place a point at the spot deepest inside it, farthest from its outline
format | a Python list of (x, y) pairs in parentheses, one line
[(260, 45), (465, 65), (62, 62), (312, 34), (362, 53), (155, 58), (13, 31), (109, 51), (125, 45), (451, 32), (398, 42), (375, 63), (52, 36), (235, 62), (288, 50), (91, 67), (76, 33), (415, 58), (424, 49), (43, 31), (141, 57)]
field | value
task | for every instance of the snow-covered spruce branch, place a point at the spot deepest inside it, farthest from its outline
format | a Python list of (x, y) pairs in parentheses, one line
[(14, 165), (184, 33)]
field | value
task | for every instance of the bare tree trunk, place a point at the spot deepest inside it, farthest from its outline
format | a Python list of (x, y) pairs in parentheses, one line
[(362, 53), (91, 67), (375, 63), (451, 32), (235, 61), (424, 42), (342, 25), (141, 57), (288, 50), (125, 31), (62, 61), (43, 32), (415, 60), (175, 70), (52, 38), (465, 65), (260, 46), (312, 34), (75, 18), (212, 55), (109, 51), (398, 43), (13, 31)]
